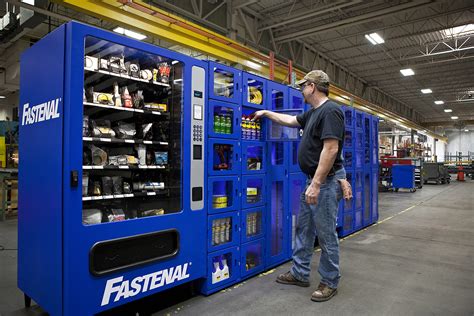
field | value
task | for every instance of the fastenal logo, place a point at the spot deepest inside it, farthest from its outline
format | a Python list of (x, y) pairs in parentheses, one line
[(123, 289), (42, 112)]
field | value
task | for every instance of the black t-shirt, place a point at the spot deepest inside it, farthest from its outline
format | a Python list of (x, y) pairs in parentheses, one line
[(326, 121)]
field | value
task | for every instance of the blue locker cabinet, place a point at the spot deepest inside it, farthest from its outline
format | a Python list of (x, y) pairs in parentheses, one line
[(277, 96), (223, 269), (277, 238), (223, 230), (126, 163), (297, 184), (224, 119), (349, 117), (254, 91), (252, 224), (253, 157), (253, 191), (225, 83), (223, 157), (223, 194), (252, 258)]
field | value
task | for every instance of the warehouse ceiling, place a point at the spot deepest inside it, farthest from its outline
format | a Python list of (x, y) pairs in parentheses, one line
[(433, 38)]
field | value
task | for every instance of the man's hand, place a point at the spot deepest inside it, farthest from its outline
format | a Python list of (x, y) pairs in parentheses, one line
[(346, 189), (312, 193), (259, 114)]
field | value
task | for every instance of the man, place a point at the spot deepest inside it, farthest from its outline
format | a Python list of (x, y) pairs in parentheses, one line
[(319, 157)]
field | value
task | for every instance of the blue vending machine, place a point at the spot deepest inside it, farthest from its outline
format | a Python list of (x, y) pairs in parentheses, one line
[(112, 182)]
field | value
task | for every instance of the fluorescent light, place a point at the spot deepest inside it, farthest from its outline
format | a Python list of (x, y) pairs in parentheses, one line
[(407, 72), (374, 38), (174, 62), (439, 102), (459, 30), (129, 33), (466, 130), (30, 2), (2, 97), (426, 91), (448, 110), (454, 117)]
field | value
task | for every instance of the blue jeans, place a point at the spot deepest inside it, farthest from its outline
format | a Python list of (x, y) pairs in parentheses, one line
[(319, 219)]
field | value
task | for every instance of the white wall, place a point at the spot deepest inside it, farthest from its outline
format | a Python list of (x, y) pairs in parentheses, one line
[(7, 105), (460, 141)]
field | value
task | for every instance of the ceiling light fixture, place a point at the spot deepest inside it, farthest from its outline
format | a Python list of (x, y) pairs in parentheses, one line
[(454, 117), (426, 91), (129, 33), (2, 97), (374, 38), (439, 102), (407, 72), (448, 110), (458, 30), (466, 130)]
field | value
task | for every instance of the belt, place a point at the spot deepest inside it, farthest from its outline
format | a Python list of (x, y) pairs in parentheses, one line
[(331, 173)]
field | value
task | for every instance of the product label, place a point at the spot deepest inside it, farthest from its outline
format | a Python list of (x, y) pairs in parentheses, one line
[(42, 112), (118, 288)]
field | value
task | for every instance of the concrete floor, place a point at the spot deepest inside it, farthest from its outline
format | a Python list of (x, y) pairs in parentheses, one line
[(418, 260)]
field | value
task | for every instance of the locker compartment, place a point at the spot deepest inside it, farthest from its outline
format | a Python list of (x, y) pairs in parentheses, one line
[(374, 159), (252, 258), (347, 224), (251, 129), (224, 120), (293, 157), (297, 184), (367, 130), (349, 158), (223, 231), (253, 223), (375, 196), (223, 194), (277, 230), (223, 268), (349, 117), (277, 154), (253, 157), (277, 132), (225, 83), (359, 120), (349, 138), (375, 131), (223, 157), (358, 180), (358, 219), (277, 96), (359, 140), (253, 191), (367, 199), (358, 199), (253, 92), (296, 100), (359, 159)]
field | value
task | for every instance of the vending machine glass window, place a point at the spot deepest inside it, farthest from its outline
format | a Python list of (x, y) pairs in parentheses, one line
[(255, 91), (223, 83), (277, 100), (132, 105)]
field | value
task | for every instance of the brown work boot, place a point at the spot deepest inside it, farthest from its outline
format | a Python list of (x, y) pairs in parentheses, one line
[(288, 278), (323, 293)]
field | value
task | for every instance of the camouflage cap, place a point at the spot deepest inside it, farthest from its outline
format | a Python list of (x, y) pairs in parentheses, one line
[(315, 76)]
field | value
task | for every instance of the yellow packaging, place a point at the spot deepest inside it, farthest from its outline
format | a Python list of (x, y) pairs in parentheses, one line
[(252, 191)]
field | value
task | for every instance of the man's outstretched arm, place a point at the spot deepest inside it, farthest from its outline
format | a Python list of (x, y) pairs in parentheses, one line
[(282, 119)]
